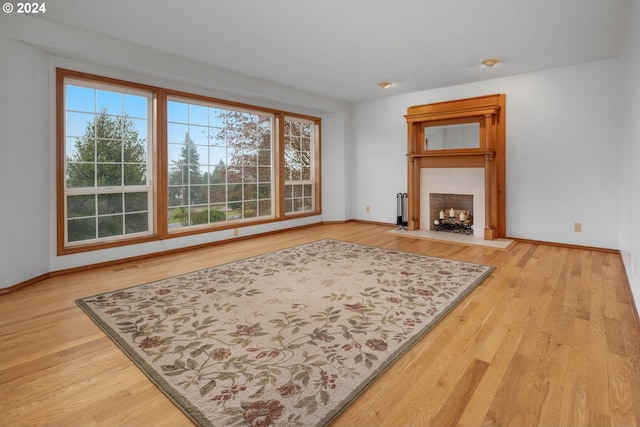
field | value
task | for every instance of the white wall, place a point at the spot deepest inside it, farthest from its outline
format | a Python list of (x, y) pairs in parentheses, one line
[(28, 158), (630, 154), (4, 156), (334, 167), (30, 50), (563, 133)]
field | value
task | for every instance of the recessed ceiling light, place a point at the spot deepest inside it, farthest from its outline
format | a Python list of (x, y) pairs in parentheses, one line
[(385, 85), (490, 62)]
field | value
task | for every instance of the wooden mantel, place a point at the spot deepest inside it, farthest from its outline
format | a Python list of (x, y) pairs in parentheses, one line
[(489, 112)]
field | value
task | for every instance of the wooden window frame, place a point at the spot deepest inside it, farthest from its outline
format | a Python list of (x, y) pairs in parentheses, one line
[(315, 168), (159, 165), (230, 224), (62, 248)]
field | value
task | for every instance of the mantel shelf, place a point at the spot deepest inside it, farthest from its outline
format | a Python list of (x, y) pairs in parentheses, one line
[(449, 153)]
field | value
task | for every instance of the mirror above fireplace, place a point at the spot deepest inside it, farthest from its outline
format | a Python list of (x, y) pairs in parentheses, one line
[(451, 136)]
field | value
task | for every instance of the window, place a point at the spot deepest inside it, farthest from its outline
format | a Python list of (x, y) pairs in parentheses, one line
[(139, 163), (299, 137), (107, 162), (219, 164)]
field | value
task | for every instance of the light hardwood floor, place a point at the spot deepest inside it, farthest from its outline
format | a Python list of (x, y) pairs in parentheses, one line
[(549, 339)]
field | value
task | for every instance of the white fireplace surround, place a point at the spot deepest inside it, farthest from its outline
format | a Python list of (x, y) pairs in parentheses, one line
[(453, 181)]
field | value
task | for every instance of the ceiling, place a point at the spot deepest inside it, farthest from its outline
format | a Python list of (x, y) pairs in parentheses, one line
[(344, 48)]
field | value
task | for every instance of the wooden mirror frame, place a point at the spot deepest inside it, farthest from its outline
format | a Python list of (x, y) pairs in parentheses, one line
[(490, 112)]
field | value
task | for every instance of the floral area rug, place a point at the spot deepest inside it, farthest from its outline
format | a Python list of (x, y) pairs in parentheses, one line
[(288, 338)]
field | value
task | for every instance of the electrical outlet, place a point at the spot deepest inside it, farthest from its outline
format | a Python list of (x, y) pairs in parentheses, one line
[(577, 227), (235, 232), (367, 209)]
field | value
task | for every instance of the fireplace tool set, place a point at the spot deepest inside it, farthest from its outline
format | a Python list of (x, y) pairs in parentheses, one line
[(401, 219)]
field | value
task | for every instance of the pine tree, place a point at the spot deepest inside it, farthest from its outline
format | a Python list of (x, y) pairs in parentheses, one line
[(184, 172), (109, 153)]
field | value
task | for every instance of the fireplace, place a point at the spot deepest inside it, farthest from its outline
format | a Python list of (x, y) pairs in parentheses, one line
[(474, 166), (459, 188), (451, 212)]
